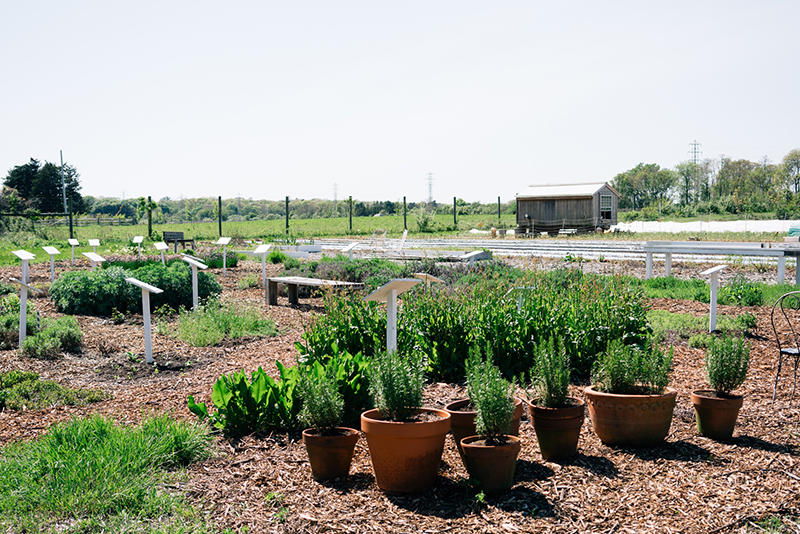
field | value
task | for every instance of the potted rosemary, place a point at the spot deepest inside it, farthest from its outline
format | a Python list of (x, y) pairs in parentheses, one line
[(630, 403), (557, 418), (405, 440), (329, 446), (491, 455), (716, 410)]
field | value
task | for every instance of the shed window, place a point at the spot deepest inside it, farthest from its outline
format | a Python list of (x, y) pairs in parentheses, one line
[(605, 206)]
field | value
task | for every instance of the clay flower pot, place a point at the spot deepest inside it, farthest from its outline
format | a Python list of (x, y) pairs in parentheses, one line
[(715, 415), (491, 467), (462, 424), (558, 429), (405, 456), (630, 420), (330, 456)]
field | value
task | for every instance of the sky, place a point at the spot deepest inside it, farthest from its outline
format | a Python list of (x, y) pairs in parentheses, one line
[(338, 98)]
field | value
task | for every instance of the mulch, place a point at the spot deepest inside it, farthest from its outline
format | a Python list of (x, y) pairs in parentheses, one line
[(262, 483)]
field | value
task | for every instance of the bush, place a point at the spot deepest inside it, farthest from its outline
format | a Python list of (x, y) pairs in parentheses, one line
[(59, 335), (396, 383), (726, 364), (550, 376), (210, 323), (492, 396), (632, 370), (741, 292), (323, 403), (22, 390)]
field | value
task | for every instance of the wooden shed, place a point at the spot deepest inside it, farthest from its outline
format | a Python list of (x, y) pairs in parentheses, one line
[(556, 207)]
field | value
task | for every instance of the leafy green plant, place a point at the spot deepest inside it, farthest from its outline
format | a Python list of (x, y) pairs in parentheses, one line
[(323, 403), (214, 321), (493, 398), (742, 292), (550, 375), (249, 405), (726, 363), (249, 281), (700, 341), (396, 383), (632, 370), (57, 335)]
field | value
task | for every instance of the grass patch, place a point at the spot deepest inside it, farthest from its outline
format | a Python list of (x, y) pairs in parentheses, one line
[(100, 476), (21, 390), (688, 326), (215, 321)]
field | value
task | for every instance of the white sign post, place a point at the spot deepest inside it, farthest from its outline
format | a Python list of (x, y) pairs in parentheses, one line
[(94, 258), (53, 251), (714, 274), (224, 242), (25, 256), (94, 243), (263, 249), (138, 241), (161, 247), (146, 290), (23, 307), (388, 294), (428, 278), (73, 243), (349, 249), (195, 264)]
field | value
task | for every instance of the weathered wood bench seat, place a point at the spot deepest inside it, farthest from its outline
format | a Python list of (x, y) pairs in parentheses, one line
[(177, 237), (292, 284), (568, 231)]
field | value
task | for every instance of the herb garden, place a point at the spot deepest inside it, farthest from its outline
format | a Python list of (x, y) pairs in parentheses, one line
[(210, 437)]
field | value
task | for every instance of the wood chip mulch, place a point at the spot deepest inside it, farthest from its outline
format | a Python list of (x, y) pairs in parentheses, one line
[(262, 483)]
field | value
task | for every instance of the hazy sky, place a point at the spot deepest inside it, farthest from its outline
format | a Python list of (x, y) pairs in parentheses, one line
[(266, 99)]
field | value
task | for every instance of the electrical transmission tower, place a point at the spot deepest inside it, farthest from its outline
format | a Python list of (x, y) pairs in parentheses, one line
[(429, 179), (695, 151)]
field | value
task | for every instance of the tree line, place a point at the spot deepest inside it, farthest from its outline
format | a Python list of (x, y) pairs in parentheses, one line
[(722, 185)]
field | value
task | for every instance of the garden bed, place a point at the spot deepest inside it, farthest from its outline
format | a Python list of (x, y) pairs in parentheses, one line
[(263, 482)]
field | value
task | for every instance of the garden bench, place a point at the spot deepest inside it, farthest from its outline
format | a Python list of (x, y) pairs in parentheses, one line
[(713, 248), (292, 284), (568, 231), (177, 237)]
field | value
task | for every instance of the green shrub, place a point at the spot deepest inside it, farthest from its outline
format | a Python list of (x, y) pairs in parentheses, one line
[(249, 281), (276, 256), (22, 390), (726, 364), (396, 384), (700, 341), (492, 396), (550, 376), (212, 322), (57, 336), (176, 281), (259, 404), (631, 369), (323, 403), (741, 292), (213, 259)]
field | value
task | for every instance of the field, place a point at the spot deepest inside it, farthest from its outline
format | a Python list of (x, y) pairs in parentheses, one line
[(262, 483)]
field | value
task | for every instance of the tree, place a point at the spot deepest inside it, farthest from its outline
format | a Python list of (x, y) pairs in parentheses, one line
[(22, 177), (644, 185), (41, 185), (790, 168)]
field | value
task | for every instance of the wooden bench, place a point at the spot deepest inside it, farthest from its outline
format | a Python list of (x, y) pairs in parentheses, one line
[(292, 284), (568, 231), (177, 237)]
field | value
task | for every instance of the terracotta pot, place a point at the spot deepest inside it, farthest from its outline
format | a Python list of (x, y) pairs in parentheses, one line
[(405, 456), (716, 416), (630, 420), (491, 467), (462, 424), (330, 456), (558, 429)]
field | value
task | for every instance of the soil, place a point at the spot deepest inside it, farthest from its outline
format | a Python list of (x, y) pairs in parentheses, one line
[(262, 483)]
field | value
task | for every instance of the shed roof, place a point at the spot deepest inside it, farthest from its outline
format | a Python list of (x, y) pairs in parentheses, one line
[(564, 190)]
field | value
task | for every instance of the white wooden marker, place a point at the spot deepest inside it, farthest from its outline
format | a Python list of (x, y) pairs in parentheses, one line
[(138, 241), (161, 247), (520, 291), (25, 256), (195, 264), (428, 278), (73, 243), (224, 242), (94, 243), (23, 307), (388, 294), (146, 290), (94, 258), (349, 249), (712, 316), (53, 251), (263, 249)]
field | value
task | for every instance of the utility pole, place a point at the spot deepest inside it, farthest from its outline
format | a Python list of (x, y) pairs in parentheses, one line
[(335, 198), (429, 179), (695, 151)]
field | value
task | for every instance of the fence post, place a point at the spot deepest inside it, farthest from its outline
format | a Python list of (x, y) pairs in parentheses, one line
[(350, 201), (70, 218), (287, 215), (498, 209), (219, 214), (455, 222), (405, 211), (149, 217)]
